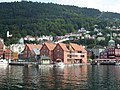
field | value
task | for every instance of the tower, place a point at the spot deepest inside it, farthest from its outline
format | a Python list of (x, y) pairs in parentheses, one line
[(111, 43)]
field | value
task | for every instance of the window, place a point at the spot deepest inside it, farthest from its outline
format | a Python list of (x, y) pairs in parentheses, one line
[(58, 47), (58, 55), (82, 55), (70, 56), (79, 51)]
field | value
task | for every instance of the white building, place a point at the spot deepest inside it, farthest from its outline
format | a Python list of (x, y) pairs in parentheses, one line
[(100, 38), (29, 38), (17, 48), (45, 38)]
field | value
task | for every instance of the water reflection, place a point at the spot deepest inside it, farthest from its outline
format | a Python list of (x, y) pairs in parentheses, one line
[(66, 78), (55, 78), (14, 75), (30, 77), (3, 76), (103, 77)]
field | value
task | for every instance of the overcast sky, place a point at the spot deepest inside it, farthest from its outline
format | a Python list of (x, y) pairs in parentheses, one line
[(102, 5)]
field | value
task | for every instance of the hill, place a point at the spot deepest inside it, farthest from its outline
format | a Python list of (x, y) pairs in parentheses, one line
[(36, 19)]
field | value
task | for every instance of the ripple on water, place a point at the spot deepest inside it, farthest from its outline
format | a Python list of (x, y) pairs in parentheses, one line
[(67, 78)]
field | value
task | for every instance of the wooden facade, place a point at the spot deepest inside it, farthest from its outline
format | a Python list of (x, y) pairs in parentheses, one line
[(8, 54), (1, 48), (110, 53), (70, 53), (46, 53), (31, 52)]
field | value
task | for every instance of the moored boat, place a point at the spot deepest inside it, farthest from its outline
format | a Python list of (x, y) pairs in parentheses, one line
[(59, 63), (103, 62), (3, 62)]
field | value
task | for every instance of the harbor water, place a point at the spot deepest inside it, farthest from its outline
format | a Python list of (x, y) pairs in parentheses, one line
[(80, 77)]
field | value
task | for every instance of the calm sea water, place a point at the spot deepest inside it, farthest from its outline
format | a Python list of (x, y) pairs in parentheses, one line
[(68, 78)]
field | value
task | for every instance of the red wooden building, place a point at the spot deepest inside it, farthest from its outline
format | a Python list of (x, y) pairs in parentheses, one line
[(31, 52), (70, 53), (46, 53), (1, 47), (111, 52)]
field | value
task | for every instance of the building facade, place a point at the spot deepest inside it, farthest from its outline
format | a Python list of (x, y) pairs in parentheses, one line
[(31, 52), (1, 47), (18, 48), (111, 52), (46, 53), (70, 53)]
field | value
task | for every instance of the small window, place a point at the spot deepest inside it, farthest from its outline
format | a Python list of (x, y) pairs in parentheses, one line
[(79, 51), (82, 55), (58, 47)]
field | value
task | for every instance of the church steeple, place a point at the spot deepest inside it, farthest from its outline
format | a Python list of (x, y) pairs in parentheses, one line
[(111, 43), (111, 38)]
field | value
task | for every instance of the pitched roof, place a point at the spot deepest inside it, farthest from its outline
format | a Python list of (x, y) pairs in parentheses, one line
[(50, 46), (1, 42), (36, 51), (7, 50), (32, 46), (77, 47), (63, 46)]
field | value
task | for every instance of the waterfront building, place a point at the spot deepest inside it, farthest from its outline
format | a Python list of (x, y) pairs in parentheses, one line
[(31, 52), (46, 53), (70, 53), (111, 52), (60, 52), (1, 47), (79, 52), (97, 50), (10, 55)]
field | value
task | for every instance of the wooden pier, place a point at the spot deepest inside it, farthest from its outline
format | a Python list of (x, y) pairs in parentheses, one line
[(24, 63)]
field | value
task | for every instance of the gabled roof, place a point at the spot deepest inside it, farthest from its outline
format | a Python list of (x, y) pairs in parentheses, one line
[(36, 51), (7, 50), (33, 46), (50, 46), (1, 42), (63, 46), (77, 47)]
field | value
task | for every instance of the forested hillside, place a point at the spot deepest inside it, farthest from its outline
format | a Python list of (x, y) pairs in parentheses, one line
[(36, 19)]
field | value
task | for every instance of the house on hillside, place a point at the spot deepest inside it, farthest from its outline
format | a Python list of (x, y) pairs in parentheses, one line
[(17, 48), (29, 38), (31, 52), (46, 53)]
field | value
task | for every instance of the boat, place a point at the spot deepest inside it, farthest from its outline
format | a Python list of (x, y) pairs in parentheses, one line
[(59, 63), (118, 62), (93, 62), (103, 62), (3, 61)]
